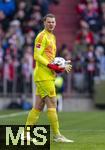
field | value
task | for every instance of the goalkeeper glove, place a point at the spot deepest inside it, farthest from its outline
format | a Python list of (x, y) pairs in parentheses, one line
[(68, 66), (55, 68)]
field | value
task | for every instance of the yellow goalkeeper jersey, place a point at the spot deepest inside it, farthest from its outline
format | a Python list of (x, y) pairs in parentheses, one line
[(44, 53)]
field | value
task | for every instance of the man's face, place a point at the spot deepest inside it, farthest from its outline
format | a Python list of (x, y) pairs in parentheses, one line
[(50, 24)]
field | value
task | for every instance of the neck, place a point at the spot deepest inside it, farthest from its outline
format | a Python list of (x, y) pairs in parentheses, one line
[(49, 31)]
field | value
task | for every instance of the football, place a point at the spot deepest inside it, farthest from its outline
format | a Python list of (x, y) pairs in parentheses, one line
[(59, 61)]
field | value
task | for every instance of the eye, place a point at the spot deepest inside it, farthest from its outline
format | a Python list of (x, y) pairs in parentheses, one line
[(49, 22)]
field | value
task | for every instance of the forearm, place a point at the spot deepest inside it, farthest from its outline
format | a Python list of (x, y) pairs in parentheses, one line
[(41, 59)]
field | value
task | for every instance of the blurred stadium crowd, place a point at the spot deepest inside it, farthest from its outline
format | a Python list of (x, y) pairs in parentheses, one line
[(89, 47), (20, 21), (88, 51)]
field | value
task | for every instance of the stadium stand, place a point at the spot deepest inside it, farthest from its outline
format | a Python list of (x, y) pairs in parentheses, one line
[(20, 21), (89, 49), (83, 43)]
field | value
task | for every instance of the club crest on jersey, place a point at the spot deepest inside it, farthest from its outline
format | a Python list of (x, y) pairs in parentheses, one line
[(38, 46)]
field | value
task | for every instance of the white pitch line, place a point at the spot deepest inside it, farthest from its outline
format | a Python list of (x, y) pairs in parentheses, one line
[(14, 114), (83, 130)]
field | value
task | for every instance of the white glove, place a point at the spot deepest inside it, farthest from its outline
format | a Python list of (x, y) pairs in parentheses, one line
[(68, 66)]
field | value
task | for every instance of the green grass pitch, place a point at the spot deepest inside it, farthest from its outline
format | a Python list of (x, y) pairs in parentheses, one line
[(87, 129)]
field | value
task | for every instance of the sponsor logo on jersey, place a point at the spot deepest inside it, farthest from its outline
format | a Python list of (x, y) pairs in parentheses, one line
[(38, 46)]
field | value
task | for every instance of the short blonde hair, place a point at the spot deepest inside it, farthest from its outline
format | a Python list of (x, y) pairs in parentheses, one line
[(48, 15)]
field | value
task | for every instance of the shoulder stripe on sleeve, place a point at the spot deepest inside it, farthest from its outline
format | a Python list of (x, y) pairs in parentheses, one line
[(40, 38)]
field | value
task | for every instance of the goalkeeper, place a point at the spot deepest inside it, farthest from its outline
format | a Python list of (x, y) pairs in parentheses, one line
[(44, 77)]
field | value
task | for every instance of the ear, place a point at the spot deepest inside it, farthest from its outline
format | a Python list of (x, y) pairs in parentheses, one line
[(55, 23), (44, 23)]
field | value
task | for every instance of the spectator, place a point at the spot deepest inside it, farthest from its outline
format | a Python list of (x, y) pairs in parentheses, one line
[(78, 73), (100, 55), (15, 25), (90, 68), (1, 77), (18, 28), (9, 74), (27, 64), (85, 36), (7, 7), (21, 11)]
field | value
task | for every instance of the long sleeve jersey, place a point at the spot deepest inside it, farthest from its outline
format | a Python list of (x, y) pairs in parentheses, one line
[(44, 53)]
